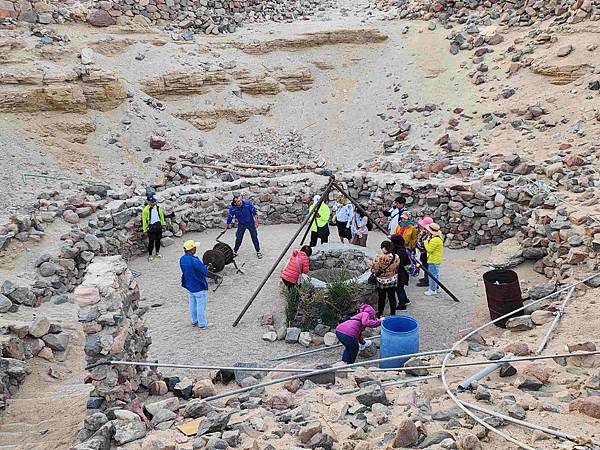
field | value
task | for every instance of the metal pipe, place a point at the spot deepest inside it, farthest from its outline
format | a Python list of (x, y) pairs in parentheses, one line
[(471, 333), (318, 372), (309, 352), (283, 253), (466, 384), (384, 231), (533, 426), (554, 324), (390, 383)]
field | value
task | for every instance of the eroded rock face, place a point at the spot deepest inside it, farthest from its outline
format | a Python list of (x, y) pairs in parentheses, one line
[(46, 90), (307, 40), (561, 75), (267, 82)]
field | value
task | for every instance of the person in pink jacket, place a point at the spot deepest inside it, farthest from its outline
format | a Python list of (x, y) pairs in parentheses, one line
[(350, 331), (297, 265)]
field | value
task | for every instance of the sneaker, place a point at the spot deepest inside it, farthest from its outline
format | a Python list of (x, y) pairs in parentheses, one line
[(429, 292), (422, 283), (402, 308), (407, 302), (150, 258), (235, 254), (158, 256), (259, 255), (206, 326), (436, 292)]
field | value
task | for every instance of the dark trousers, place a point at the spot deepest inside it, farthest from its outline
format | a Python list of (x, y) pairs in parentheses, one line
[(239, 236), (391, 295), (423, 259), (402, 297), (321, 233), (154, 237), (350, 347)]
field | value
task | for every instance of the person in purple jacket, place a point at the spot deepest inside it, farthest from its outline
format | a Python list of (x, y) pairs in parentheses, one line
[(350, 331)]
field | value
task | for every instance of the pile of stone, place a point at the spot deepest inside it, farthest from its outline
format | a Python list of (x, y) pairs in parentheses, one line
[(112, 320), (38, 12), (520, 13), (21, 341)]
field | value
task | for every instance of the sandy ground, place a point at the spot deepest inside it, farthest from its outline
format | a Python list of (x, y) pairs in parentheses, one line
[(176, 341)]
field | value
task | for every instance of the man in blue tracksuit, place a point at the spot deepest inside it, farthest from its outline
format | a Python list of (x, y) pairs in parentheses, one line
[(245, 213), (193, 278)]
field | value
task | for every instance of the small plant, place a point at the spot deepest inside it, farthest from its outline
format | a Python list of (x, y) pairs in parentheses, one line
[(341, 294)]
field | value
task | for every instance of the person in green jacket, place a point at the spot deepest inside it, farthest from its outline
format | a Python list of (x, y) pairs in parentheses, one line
[(434, 247), (319, 226), (153, 220)]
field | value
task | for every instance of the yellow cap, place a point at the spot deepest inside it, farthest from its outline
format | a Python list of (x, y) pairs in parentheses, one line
[(188, 245)]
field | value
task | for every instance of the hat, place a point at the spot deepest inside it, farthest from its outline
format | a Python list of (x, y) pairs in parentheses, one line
[(316, 198), (433, 228), (152, 198), (188, 245), (408, 214), (425, 221)]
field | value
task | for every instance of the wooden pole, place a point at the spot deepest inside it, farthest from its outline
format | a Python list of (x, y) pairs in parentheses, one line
[(284, 252)]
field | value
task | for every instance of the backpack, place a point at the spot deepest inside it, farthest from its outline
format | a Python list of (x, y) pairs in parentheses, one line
[(413, 268)]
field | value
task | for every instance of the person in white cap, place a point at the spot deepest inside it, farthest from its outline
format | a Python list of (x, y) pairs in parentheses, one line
[(319, 225), (193, 279)]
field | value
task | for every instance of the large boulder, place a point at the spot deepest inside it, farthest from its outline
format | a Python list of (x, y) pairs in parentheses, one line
[(100, 18)]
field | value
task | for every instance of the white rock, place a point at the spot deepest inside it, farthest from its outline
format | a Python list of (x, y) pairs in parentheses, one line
[(87, 56), (330, 339), (269, 336), (123, 414), (305, 339)]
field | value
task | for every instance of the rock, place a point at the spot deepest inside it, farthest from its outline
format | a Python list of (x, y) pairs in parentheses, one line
[(534, 253), (308, 431), (240, 375), (232, 437), (304, 339), (157, 142), (292, 335), (164, 415), (564, 51), (517, 349), (269, 336), (520, 323), (123, 414), (506, 370), (158, 388), (5, 304), (183, 389), (196, 408), (167, 241), (320, 441), (46, 354), (434, 438), (468, 442), (87, 56), (86, 296), (372, 394), (552, 169), (481, 393), (321, 330), (541, 316), (542, 290), (128, 431), (94, 422), (323, 378), (538, 371), (330, 339), (100, 18), (39, 327), (48, 269), (214, 421), (266, 320), (172, 404), (416, 362), (57, 342), (281, 400), (203, 389), (407, 434), (590, 406), (70, 217), (530, 384)]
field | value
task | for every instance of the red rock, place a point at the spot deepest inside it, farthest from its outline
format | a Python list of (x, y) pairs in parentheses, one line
[(100, 18), (574, 160), (438, 166), (266, 319), (517, 349), (564, 146), (443, 139), (538, 371), (86, 296), (457, 110), (293, 386), (157, 142), (453, 122), (437, 7), (495, 39), (590, 406), (281, 400)]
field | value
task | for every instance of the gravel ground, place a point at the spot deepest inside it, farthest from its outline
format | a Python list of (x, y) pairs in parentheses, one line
[(176, 341)]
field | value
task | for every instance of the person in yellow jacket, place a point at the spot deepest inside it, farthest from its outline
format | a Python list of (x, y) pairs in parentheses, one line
[(319, 226), (407, 229), (434, 246), (153, 220)]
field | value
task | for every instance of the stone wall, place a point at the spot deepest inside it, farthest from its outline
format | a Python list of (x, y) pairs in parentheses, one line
[(112, 320)]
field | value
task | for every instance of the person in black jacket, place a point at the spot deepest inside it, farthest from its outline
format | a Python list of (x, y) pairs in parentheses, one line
[(399, 249)]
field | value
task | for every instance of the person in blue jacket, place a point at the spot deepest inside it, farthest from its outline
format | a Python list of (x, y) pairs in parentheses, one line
[(245, 213), (193, 278)]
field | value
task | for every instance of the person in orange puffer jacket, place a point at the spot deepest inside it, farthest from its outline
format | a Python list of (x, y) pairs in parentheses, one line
[(297, 265), (408, 231)]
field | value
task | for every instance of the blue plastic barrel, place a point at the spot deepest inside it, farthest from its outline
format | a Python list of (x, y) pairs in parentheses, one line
[(399, 336)]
